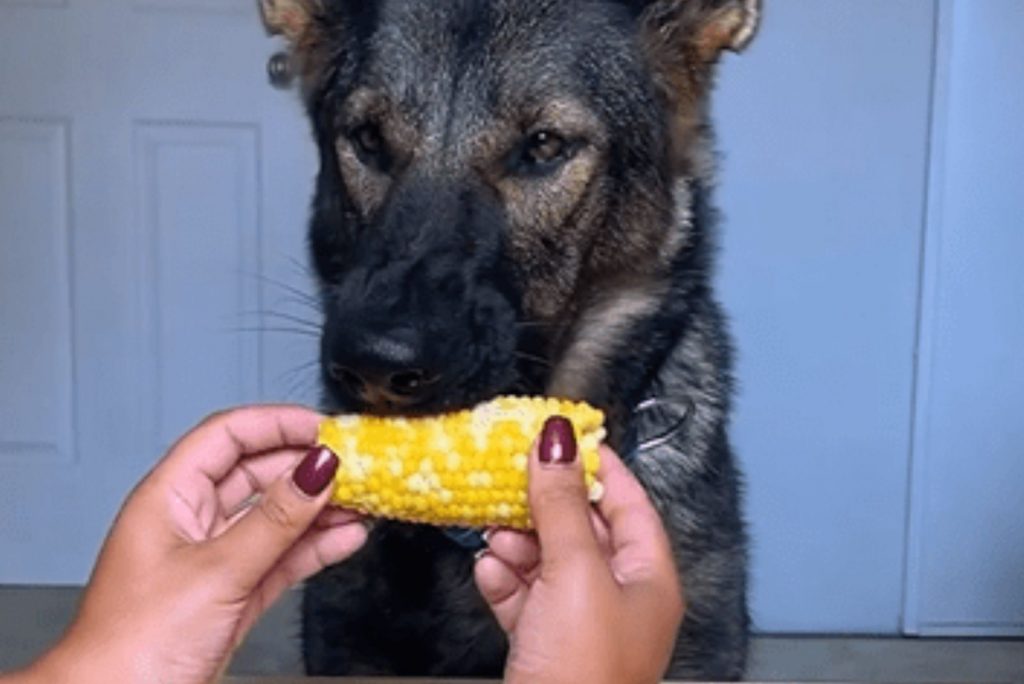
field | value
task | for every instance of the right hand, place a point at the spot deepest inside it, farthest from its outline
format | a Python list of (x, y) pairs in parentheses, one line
[(594, 596)]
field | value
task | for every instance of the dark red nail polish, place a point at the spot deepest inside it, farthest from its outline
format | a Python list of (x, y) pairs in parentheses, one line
[(316, 470), (557, 441)]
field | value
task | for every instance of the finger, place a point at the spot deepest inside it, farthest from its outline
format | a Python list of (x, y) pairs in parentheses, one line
[(216, 445), (639, 544), (253, 475), (601, 533), (333, 517), (558, 498), (264, 533), (329, 517), (652, 613), (315, 550), (502, 588), (519, 550), (642, 560)]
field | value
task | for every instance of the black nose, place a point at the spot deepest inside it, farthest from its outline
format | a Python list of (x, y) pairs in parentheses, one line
[(383, 371)]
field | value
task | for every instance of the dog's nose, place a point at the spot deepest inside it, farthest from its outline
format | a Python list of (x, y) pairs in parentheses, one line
[(383, 372)]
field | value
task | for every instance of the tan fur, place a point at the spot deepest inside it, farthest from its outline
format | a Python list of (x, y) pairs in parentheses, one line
[(597, 335), (296, 20), (605, 320), (289, 18), (682, 57)]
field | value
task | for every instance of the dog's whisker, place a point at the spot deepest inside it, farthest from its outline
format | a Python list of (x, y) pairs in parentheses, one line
[(299, 387), (301, 295), (304, 366), (533, 358), (301, 267), (298, 320), (306, 304), (311, 305), (299, 371), (277, 329), (299, 379), (275, 312)]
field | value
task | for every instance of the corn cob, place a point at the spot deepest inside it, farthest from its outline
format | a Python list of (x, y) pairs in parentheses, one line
[(466, 468)]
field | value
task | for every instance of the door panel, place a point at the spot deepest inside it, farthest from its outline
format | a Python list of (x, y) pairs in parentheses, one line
[(966, 571), (198, 220), (823, 126), (36, 303), (152, 218)]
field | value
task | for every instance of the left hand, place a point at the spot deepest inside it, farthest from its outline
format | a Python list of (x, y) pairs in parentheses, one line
[(225, 523)]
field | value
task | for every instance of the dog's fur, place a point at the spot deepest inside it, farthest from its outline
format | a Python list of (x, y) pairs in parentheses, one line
[(514, 196)]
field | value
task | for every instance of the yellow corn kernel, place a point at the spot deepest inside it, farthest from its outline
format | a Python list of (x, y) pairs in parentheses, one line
[(464, 468)]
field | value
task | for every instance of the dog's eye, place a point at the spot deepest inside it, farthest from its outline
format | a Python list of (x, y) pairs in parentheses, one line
[(544, 148), (369, 145), (368, 139)]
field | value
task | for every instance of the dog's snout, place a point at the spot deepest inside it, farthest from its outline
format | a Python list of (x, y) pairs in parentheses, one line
[(383, 371)]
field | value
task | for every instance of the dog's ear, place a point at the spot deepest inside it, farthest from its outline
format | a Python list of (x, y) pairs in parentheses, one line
[(701, 27), (683, 40), (291, 18), (306, 25), (728, 25)]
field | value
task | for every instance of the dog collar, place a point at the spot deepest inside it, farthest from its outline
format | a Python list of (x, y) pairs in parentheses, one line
[(656, 422), (469, 538)]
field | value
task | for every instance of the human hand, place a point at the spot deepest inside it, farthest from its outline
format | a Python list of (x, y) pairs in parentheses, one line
[(594, 596), (222, 526)]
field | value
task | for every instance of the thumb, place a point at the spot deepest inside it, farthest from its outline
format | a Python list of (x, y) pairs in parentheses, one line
[(558, 498), (284, 511)]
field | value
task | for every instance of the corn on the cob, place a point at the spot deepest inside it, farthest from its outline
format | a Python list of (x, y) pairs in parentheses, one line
[(465, 468)]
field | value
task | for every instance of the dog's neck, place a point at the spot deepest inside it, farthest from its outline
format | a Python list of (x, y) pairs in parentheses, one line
[(626, 337)]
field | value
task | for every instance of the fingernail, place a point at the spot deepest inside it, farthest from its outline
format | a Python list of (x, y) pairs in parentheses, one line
[(480, 553), (557, 441), (316, 471), (486, 536)]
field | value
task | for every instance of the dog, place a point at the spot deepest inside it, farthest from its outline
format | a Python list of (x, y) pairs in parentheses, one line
[(514, 196)]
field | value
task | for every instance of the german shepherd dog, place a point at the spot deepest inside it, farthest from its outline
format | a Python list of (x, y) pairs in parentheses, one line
[(514, 197)]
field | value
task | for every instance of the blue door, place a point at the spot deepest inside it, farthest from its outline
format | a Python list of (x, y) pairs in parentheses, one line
[(873, 192), (966, 546)]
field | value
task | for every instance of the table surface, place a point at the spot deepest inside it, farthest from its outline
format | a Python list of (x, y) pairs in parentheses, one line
[(351, 680), (368, 680)]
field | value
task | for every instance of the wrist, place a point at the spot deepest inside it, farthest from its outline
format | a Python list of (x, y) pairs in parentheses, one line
[(591, 673), (575, 678), (78, 659), (63, 663), (30, 674)]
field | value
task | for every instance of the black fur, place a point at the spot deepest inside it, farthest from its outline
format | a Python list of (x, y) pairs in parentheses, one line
[(423, 253)]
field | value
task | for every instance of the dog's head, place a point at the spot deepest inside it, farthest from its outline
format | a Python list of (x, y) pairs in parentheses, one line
[(496, 191)]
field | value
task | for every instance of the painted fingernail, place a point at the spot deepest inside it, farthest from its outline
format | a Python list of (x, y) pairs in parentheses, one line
[(557, 442), (316, 471)]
